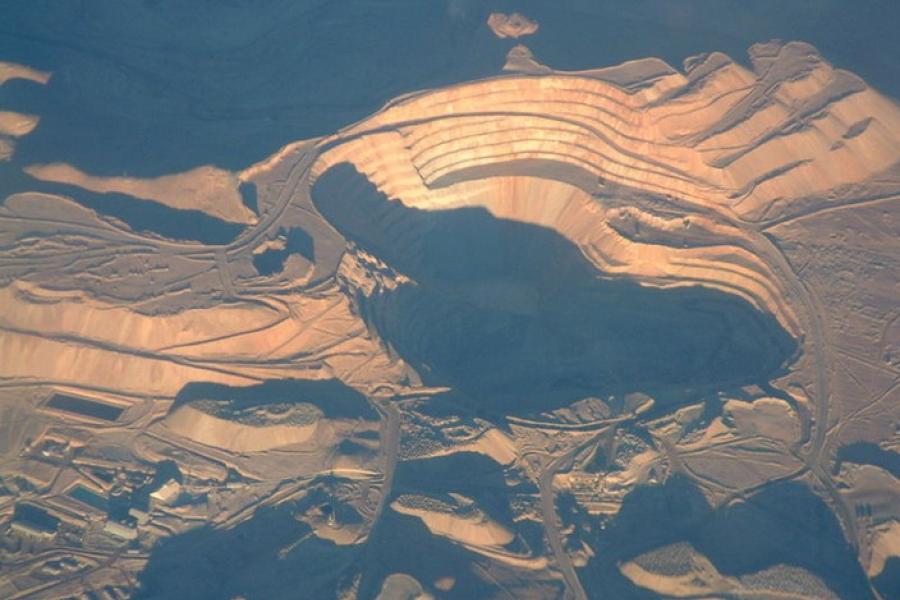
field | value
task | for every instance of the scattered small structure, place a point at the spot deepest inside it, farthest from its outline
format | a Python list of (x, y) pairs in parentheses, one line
[(121, 531), (167, 493)]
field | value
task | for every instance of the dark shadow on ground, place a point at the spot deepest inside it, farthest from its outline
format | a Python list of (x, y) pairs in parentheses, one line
[(464, 472), (335, 399), (160, 86), (247, 561), (473, 475), (151, 87), (784, 523), (888, 581), (514, 315), (142, 216), (272, 261), (867, 453), (404, 545), (249, 196)]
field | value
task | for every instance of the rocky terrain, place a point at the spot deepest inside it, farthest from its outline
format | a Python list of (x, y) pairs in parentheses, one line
[(626, 332)]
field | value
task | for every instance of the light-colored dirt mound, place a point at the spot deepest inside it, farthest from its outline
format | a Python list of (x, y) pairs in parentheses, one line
[(521, 60), (885, 545), (400, 586), (16, 124), (769, 417), (693, 575), (13, 71), (445, 584), (207, 189), (460, 521), (68, 337), (238, 437), (511, 26), (877, 494), (493, 443), (679, 571)]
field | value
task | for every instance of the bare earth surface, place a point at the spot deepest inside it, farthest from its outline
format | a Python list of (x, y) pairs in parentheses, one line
[(625, 332)]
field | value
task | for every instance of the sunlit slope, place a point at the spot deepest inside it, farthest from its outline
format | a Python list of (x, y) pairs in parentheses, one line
[(758, 143)]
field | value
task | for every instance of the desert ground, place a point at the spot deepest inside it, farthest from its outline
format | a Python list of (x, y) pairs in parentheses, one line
[(630, 331)]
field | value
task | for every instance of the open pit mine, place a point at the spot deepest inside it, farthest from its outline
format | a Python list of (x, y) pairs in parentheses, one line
[(627, 332)]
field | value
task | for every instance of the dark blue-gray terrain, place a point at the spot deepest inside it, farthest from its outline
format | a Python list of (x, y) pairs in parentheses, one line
[(551, 423)]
